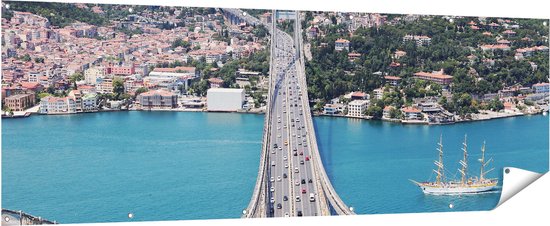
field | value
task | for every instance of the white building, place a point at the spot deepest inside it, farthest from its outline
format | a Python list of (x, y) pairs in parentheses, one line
[(91, 75), (89, 102), (378, 93), (57, 105), (225, 99), (357, 107), (341, 44)]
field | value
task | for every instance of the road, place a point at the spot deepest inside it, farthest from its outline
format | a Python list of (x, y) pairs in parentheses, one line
[(290, 173)]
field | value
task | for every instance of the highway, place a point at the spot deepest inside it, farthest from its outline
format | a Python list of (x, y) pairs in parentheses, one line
[(291, 178), (291, 174)]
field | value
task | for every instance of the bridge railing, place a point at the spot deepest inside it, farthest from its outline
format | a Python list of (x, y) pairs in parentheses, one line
[(334, 198), (261, 181)]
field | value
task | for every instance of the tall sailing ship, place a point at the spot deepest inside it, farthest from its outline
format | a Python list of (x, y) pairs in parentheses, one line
[(466, 184)]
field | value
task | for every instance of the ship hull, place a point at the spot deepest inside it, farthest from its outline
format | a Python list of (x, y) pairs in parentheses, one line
[(454, 188)]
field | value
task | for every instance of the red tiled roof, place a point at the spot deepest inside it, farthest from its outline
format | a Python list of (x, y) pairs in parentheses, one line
[(189, 69), (411, 110), (358, 94), (30, 85), (342, 40), (389, 77), (433, 75)]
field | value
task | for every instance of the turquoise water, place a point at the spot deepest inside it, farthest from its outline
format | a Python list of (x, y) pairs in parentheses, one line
[(370, 162), (184, 165)]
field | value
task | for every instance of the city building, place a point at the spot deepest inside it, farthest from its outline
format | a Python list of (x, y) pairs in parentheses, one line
[(20, 102), (411, 113), (225, 99), (330, 109), (420, 40), (436, 76), (57, 105), (541, 87), (386, 113), (378, 93), (215, 82), (341, 44), (89, 102), (357, 107), (157, 99), (392, 80), (76, 95), (92, 74)]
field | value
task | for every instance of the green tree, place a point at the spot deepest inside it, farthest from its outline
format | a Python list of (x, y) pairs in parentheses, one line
[(118, 88), (77, 76)]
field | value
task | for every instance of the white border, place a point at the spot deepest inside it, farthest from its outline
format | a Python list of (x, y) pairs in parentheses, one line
[(526, 207)]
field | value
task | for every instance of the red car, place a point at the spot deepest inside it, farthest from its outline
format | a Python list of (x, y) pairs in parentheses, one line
[(307, 158), (303, 190)]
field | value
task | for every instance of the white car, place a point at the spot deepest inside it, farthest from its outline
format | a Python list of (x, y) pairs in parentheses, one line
[(287, 215), (284, 158), (278, 178), (272, 189), (272, 179), (272, 200), (286, 165)]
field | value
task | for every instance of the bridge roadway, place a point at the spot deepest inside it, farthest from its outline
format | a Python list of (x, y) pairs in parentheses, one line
[(291, 179)]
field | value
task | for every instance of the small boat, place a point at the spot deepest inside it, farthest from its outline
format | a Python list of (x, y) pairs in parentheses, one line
[(465, 185)]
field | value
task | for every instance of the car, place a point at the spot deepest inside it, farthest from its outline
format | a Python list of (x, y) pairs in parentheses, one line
[(311, 197), (307, 158), (284, 175), (278, 135), (279, 206), (301, 162), (299, 135), (297, 182), (272, 179), (284, 158), (278, 178), (286, 165), (303, 190), (287, 215), (301, 153), (299, 213), (285, 198), (310, 181), (295, 154), (303, 181), (305, 145), (297, 198), (280, 148), (296, 170), (300, 143), (272, 189), (272, 151), (272, 200)]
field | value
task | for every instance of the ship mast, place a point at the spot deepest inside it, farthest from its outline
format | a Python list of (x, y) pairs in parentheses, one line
[(464, 162), (483, 163), (439, 163)]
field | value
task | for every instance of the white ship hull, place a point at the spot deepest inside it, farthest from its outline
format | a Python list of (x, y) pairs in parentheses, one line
[(450, 189)]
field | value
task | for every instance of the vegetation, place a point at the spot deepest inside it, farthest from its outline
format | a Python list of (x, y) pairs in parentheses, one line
[(331, 74), (78, 76), (59, 14)]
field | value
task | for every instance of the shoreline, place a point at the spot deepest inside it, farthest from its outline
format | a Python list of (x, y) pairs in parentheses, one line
[(487, 115)]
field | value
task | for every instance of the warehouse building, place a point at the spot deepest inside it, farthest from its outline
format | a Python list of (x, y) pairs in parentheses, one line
[(225, 99)]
